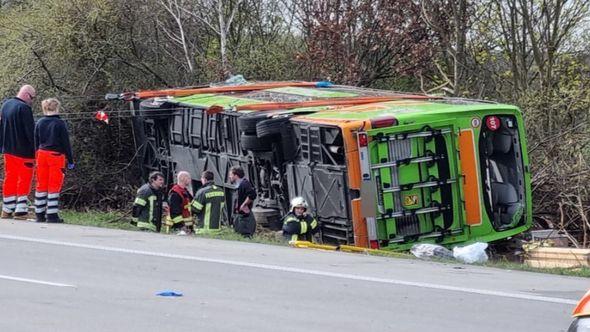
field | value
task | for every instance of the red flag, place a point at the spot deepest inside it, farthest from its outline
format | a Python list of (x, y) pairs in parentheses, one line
[(102, 116)]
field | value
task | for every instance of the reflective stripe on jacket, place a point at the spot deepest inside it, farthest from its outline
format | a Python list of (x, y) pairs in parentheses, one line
[(147, 208), (182, 212), (299, 227), (208, 205)]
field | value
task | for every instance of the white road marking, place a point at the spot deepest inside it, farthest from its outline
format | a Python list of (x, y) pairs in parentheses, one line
[(521, 296), (41, 282)]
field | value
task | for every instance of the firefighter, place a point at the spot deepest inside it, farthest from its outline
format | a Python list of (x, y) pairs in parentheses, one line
[(298, 225), (18, 146), (52, 143), (150, 204), (209, 203), (243, 200), (180, 199)]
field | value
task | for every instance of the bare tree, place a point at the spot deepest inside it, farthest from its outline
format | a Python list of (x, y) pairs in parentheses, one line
[(218, 16), (533, 33), (175, 9), (363, 41), (450, 21), (548, 23)]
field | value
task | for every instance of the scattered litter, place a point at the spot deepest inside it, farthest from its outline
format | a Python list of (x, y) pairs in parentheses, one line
[(236, 80), (427, 251), (169, 293), (473, 253)]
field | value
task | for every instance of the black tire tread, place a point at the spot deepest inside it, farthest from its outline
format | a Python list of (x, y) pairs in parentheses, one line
[(253, 143), (271, 126)]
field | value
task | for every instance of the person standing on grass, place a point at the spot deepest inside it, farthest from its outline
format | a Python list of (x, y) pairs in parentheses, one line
[(18, 146), (181, 219), (209, 203), (150, 203), (244, 196), (52, 143)]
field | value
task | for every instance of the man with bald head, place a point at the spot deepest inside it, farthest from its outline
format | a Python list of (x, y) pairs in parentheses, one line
[(179, 199), (18, 146)]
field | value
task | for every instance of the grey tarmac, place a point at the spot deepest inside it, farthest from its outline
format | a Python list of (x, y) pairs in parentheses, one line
[(75, 278)]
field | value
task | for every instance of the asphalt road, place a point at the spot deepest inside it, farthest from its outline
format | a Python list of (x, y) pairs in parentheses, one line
[(73, 278)]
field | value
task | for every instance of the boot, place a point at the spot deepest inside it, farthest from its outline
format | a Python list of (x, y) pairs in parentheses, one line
[(40, 217), (54, 218), (6, 215)]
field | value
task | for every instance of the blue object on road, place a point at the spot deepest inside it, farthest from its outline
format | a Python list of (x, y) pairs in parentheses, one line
[(169, 293)]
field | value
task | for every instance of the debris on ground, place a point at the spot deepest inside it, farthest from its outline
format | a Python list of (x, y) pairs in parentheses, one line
[(473, 253), (428, 251), (169, 293), (543, 255)]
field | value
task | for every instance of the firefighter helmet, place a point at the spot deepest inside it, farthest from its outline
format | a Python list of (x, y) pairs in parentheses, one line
[(298, 202)]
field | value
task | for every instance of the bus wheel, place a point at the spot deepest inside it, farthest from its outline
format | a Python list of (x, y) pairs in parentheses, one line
[(253, 143), (271, 126), (247, 122)]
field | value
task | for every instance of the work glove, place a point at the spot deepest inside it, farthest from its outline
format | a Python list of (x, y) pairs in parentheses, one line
[(71, 166)]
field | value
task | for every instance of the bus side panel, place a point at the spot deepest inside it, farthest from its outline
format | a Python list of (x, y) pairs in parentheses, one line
[(471, 181), (359, 224)]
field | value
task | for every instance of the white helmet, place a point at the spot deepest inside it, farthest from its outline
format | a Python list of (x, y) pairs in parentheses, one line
[(298, 202)]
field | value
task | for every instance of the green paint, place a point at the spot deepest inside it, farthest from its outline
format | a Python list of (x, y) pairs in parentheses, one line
[(208, 99), (412, 111), (412, 115), (405, 232), (310, 92)]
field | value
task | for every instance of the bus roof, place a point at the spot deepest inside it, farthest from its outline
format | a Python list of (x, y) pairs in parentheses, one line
[(318, 102)]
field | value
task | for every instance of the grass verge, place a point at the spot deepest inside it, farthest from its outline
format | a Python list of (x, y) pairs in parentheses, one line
[(117, 220), (572, 272), (111, 219)]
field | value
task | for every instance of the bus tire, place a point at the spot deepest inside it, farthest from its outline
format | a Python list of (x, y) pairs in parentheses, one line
[(271, 126), (253, 143), (247, 122)]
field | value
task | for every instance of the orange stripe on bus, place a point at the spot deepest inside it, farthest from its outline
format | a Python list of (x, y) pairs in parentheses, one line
[(470, 172), (351, 101), (359, 225), (219, 89)]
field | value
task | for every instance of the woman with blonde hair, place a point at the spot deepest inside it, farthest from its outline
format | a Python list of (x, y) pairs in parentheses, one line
[(52, 143)]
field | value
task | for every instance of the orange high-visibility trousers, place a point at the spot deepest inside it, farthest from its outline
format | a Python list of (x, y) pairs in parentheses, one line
[(50, 177), (18, 174)]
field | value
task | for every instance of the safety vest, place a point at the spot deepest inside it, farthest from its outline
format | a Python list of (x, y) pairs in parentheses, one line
[(186, 216)]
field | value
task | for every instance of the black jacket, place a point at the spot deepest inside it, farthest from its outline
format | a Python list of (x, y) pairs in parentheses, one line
[(244, 190), (208, 204), (51, 133), (302, 226), (16, 128), (148, 207)]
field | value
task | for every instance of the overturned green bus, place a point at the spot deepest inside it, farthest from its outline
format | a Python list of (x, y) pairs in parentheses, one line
[(380, 169)]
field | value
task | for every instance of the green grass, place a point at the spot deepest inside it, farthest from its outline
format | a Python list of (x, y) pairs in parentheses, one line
[(265, 237), (112, 219), (118, 220), (572, 272)]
